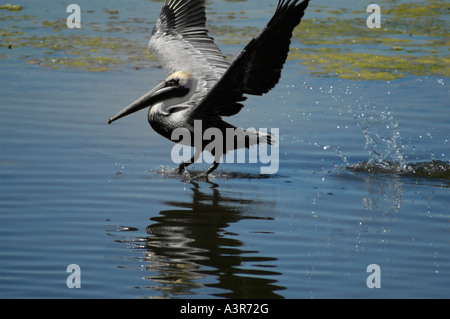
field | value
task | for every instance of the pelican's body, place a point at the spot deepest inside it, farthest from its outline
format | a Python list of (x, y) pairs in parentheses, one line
[(202, 85)]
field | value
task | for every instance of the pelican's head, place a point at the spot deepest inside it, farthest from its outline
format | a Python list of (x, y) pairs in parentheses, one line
[(176, 89)]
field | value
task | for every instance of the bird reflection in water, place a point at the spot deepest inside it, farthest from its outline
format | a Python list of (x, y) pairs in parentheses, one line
[(189, 248)]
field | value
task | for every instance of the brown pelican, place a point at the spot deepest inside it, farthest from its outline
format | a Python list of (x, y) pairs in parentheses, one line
[(202, 84)]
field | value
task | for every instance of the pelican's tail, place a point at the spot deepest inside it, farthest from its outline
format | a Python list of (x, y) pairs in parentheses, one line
[(253, 137), (264, 137), (237, 138)]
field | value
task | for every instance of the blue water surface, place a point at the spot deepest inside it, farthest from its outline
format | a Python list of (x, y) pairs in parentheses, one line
[(76, 191)]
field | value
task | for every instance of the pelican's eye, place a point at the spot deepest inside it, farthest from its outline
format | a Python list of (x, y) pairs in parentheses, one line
[(173, 82)]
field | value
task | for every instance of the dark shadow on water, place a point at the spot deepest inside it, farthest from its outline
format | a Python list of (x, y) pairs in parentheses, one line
[(430, 171), (194, 175), (189, 248)]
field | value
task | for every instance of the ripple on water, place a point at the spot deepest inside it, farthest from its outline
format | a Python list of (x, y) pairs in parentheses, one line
[(434, 169)]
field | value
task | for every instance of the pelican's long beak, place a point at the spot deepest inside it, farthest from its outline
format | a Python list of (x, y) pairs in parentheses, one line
[(147, 100)]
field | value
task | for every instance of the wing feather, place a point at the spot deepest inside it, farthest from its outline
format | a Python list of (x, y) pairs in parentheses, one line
[(257, 69), (181, 42)]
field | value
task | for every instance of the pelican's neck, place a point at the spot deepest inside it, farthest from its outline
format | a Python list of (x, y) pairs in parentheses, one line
[(171, 105), (159, 109)]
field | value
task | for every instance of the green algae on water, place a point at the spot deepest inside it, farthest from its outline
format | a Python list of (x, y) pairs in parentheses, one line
[(365, 66), (413, 39), (11, 7)]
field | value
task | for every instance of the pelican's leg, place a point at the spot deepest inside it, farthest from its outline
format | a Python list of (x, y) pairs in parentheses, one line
[(211, 169), (206, 173), (216, 164), (182, 168)]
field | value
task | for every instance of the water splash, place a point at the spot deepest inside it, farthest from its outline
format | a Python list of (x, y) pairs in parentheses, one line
[(383, 140), (386, 148), (336, 150), (380, 128)]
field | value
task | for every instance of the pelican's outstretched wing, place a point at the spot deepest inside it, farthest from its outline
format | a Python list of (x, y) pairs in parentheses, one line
[(181, 42), (257, 69)]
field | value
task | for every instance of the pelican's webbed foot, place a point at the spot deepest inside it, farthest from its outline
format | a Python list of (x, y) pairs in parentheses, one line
[(181, 169), (206, 173)]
